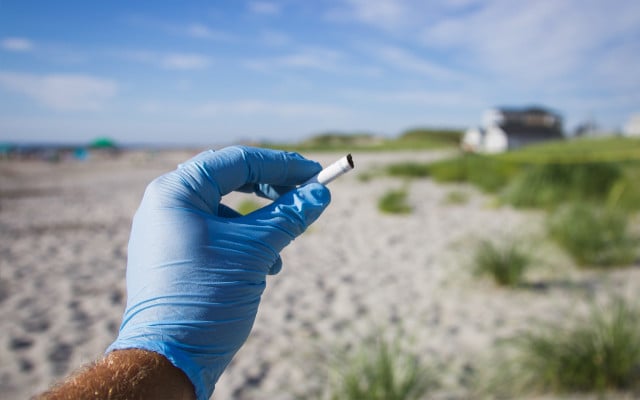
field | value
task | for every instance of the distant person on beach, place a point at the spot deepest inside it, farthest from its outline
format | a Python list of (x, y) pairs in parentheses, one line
[(196, 270)]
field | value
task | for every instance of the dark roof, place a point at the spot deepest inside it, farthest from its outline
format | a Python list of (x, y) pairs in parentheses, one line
[(529, 109), (533, 122)]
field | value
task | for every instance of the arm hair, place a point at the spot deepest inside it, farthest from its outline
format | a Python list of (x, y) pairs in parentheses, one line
[(131, 374)]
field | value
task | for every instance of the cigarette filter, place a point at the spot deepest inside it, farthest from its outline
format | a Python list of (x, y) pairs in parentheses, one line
[(340, 167)]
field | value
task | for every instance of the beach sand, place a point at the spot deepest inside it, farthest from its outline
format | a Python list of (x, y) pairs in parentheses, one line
[(63, 234)]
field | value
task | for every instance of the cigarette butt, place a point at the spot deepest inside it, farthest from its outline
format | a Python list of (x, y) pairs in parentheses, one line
[(333, 171)]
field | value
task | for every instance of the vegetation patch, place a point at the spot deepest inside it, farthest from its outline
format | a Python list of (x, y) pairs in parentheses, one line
[(395, 202), (593, 235), (596, 354), (547, 185), (414, 139), (408, 170), (577, 151), (485, 172), (625, 193), (381, 371), (457, 197), (600, 171), (437, 137), (506, 263)]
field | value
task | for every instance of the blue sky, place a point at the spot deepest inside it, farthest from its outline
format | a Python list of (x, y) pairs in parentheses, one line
[(211, 72)]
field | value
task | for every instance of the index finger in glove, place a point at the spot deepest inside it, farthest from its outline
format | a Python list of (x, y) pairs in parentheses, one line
[(234, 167), (278, 223)]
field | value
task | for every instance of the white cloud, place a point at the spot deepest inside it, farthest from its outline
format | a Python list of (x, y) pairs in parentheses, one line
[(193, 30), (310, 58), (396, 16), (618, 66), (264, 8), (314, 59), (417, 98), (267, 108), (275, 39), (16, 44), (62, 92), (404, 60), (536, 42), (173, 61), (529, 45), (322, 59), (185, 61), (201, 31), (385, 14)]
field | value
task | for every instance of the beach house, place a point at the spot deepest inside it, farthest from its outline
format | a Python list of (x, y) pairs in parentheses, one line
[(505, 128)]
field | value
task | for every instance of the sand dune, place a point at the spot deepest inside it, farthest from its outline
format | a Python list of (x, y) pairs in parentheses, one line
[(63, 235)]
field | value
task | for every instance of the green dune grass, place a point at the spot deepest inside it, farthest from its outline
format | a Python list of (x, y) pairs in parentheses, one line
[(381, 370), (600, 171), (505, 263), (595, 236), (395, 202), (596, 354), (413, 139)]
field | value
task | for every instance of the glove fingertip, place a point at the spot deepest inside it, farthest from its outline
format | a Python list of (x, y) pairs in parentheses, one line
[(276, 267), (317, 197)]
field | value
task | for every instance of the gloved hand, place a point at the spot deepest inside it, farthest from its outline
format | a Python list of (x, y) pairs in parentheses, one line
[(196, 269)]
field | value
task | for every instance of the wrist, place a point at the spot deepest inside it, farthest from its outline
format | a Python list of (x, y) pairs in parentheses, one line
[(173, 355), (125, 374)]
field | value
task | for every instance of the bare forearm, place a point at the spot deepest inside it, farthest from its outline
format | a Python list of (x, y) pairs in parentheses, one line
[(125, 374)]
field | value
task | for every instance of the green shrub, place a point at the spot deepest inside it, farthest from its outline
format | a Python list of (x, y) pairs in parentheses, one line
[(451, 137), (338, 140), (505, 263), (625, 193), (488, 173), (582, 150), (596, 354), (603, 171), (450, 170), (408, 170), (371, 173), (355, 141), (548, 185), (365, 176), (381, 371), (394, 202), (456, 197), (593, 236)]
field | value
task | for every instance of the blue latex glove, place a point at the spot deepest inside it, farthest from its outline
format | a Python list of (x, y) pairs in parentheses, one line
[(196, 269)]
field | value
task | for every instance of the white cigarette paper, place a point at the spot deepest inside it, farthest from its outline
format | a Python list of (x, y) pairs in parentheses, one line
[(340, 167)]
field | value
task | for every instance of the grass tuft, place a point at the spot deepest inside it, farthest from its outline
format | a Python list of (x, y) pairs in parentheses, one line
[(603, 172), (414, 139), (408, 170), (597, 354), (505, 263), (382, 371), (487, 173), (395, 202), (458, 197), (592, 235), (547, 185)]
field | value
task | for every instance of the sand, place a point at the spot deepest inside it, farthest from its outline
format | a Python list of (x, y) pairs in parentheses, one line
[(63, 235)]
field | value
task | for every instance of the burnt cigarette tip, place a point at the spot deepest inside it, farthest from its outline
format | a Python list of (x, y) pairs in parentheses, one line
[(350, 160)]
